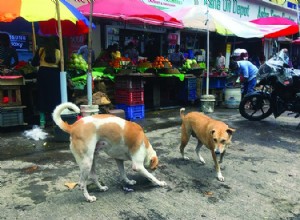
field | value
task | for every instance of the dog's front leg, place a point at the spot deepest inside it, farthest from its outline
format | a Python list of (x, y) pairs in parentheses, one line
[(141, 169), (217, 166), (221, 156), (120, 164)]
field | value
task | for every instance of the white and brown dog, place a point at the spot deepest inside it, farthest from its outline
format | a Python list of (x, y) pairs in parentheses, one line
[(215, 135), (120, 139)]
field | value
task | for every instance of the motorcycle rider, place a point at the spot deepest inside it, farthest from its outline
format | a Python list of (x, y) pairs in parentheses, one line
[(247, 72)]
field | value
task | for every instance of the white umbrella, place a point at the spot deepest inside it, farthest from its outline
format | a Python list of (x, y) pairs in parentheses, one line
[(196, 17)]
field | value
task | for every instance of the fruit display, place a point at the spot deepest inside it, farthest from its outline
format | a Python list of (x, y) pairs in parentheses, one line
[(77, 62), (119, 62), (161, 62), (144, 63), (190, 64), (25, 68)]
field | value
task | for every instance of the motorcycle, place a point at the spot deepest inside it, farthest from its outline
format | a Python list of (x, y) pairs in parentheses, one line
[(279, 91)]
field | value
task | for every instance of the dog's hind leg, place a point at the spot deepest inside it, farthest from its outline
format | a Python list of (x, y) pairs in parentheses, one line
[(120, 164), (185, 137), (198, 147), (85, 165), (94, 177), (85, 162)]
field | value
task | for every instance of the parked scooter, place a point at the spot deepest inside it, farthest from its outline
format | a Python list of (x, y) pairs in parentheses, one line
[(279, 91)]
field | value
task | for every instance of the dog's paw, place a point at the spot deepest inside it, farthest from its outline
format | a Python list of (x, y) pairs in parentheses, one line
[(220, 177), (201, 160), (162, 183), (103, 188), (185, 158), (91, 198), (130, 182)]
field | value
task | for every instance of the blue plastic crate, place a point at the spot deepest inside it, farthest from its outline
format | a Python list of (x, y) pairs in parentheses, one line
[(215, 82), (132, 111), (11, 116), (190, 83), (188, 95)]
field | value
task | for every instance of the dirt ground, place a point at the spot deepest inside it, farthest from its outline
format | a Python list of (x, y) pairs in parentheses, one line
[(261, 170)]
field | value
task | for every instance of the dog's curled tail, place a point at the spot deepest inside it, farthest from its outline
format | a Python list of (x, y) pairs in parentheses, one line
[(57, 112), (182, 113)]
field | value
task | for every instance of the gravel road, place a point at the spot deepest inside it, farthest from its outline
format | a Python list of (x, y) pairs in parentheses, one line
[(261, 170)]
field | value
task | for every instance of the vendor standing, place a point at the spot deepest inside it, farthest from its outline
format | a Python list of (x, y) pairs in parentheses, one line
[(48, 78), (115, 54), (177, 57), (220, 61), (8, 55)]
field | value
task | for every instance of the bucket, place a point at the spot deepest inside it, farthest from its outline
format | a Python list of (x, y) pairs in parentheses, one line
[(87, 110), (233, 97), (207, 103)]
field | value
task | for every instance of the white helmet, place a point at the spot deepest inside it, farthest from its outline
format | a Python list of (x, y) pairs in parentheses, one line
[(240, 54)]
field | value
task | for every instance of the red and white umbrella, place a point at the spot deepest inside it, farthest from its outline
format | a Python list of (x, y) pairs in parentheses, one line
[(131, 11), (289, 27)]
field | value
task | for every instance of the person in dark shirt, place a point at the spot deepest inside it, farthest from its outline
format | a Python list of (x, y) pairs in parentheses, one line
[(8, 55)]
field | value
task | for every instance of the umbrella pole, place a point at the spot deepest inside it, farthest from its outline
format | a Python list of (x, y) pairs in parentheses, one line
[(207, 55), (63, 74), (33, 39), (89, 73)]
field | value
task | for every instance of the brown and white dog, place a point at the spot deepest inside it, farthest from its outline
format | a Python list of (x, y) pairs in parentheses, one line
[(215, 135), (120, 139)]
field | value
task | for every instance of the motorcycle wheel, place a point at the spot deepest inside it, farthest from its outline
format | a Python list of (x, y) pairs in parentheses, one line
[(255, 107)]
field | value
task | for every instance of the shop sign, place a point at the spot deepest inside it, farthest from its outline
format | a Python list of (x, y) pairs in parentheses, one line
[(19, 42), (241, 9), (173, 38), (284, 3), (147, 28), (246, 10), (168, 4), (75, 43)]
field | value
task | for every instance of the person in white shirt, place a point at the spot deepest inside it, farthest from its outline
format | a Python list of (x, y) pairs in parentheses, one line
[(220, 61)]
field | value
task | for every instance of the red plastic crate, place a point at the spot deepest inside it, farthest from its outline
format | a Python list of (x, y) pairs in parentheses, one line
[(129, 83), (129, 97)]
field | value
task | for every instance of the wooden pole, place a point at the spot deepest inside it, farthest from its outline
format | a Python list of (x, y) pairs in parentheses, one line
[(61, 48), (33, 39)]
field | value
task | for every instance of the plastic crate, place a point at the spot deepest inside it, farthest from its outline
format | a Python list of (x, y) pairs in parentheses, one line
[(188, 95), (190, 83), (11, 116), (215, 82), (129, 83), (129, 97), (10, 96), (132, 111)]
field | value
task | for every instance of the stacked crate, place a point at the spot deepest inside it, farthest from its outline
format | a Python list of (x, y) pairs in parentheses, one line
[(188, 91), (129, 96), (11, 109), (216, 87)]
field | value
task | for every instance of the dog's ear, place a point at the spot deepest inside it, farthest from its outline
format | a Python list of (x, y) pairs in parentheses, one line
[(230, 131), (154, 162)]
